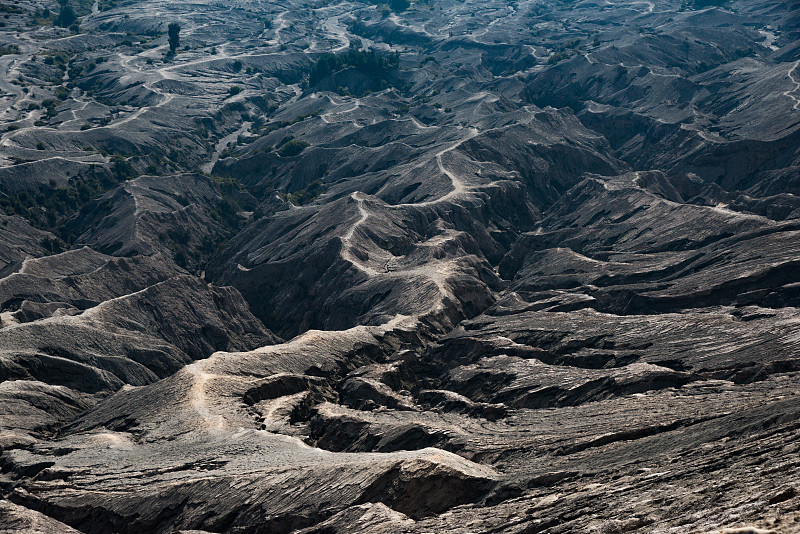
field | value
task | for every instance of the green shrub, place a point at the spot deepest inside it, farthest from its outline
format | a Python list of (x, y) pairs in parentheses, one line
[(53, 205), (67, 15), (8, 49), (307, 194), (292, 148), (557, 58), (398, 6), (121, 167), (174, 30), (365, 61)]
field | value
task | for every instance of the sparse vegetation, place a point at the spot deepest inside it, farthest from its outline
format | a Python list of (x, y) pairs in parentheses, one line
[(6, 8), (67, 16), (50, 106), (702, 4), (308, 194), (121, 167), (174, 37), (428, 59), (52, 205), (558, 57), (398, 6), (8, 49), (376, 65), (357, 26), (292, 148)]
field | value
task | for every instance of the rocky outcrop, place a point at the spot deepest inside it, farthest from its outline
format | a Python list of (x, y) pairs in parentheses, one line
[(18, 241), (80, 325), (182, 218)]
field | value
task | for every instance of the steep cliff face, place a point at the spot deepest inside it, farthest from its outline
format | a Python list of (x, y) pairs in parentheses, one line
[(446, 267)]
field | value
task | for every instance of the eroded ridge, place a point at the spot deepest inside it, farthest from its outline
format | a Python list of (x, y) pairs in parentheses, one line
[(334, 267)]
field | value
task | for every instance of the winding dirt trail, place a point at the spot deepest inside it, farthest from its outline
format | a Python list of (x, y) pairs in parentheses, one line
[(347, 239), (790, 92), (459, 187), (197, 396), (326, 117), (437, 271)]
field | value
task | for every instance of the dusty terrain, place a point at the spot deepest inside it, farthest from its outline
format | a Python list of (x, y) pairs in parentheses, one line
[(340, 267)]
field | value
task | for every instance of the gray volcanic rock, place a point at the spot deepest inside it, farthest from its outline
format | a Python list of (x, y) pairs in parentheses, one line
[(17, 518), (76, 356), (536, 265), (79, 279), (406, 262), (197, 403), (30, 406), (177, 217), (18, 240), (622, 247)]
